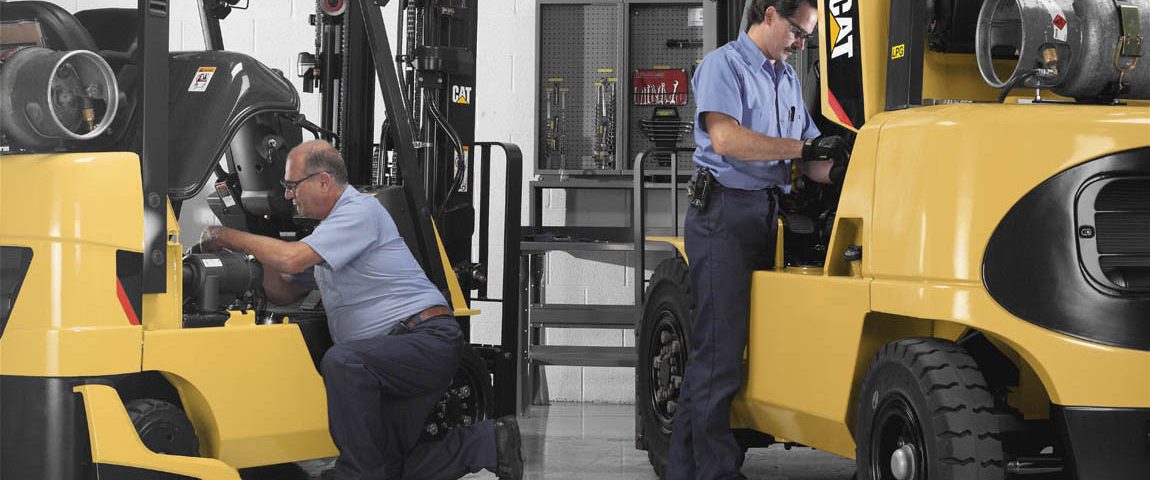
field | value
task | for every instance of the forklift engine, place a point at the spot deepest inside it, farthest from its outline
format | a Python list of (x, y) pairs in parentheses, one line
[(217, 282), (48, 98)]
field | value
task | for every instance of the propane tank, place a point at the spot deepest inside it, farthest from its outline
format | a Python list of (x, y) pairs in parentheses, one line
[(48, 96), (1090, 50)]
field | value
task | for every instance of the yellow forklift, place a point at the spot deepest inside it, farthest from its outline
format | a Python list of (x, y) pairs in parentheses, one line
[(123, 358), (973, 302)]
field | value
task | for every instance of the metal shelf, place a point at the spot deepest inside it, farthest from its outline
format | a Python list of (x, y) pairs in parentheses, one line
[(538, 241)]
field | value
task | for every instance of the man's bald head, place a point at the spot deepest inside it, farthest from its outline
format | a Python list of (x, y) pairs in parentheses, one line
[(320, 156)]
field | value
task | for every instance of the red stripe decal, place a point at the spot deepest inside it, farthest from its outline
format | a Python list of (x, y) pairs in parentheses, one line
[(126, 304), (838, 109)]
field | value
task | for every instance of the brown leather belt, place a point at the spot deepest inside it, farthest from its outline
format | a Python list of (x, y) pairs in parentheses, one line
[(436, 311)]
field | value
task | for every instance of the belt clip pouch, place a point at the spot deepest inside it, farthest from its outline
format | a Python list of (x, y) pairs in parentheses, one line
[(699, 188)]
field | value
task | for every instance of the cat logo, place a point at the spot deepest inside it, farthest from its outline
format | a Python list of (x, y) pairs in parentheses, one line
[(461, 95), (842, 28)]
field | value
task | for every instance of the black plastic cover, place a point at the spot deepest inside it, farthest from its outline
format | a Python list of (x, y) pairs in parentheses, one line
[(904, 67), (130, 275), (1105, 443), (206, 113), (43, 429), (1035, 268), (14, 263), (844, 65)]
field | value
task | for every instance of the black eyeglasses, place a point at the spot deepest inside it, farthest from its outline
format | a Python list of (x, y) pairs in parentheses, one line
[(797, 31), (290, 185)]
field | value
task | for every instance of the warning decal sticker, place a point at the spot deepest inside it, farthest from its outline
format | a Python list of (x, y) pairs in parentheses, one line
[(1059, 23), (1057, 19), (202, 78)]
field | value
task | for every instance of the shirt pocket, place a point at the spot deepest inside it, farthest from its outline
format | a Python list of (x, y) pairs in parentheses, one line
[(761, 116), (795, 129)]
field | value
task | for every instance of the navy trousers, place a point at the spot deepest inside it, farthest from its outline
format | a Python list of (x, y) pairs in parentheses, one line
[(733, 236), (381, 390)]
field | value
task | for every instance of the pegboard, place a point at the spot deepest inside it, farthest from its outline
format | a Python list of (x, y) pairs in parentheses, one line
[(578, 46), (650, 27)]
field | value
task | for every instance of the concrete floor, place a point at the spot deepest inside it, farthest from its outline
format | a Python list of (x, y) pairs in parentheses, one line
[(574, 441)]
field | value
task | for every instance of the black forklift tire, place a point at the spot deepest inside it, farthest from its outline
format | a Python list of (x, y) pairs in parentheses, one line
[(925, 409), (668, 317), (471, 394), (163, 428)]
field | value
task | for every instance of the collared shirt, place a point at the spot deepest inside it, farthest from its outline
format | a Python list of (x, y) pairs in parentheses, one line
[(739, 81), (369, 280)]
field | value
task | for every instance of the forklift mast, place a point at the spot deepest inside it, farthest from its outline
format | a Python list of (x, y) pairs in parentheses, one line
[(435, 100)]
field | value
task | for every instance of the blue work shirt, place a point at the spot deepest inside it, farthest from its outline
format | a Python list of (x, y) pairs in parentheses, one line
[(739, 81), (368, 278)]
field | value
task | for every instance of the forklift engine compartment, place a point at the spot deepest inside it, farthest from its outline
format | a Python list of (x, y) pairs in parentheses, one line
[(215, 283)]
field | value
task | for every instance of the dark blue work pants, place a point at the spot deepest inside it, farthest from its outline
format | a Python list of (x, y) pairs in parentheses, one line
[(380, 392), (732, 237)]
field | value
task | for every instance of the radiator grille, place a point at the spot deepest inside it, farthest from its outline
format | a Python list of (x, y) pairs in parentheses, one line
[(1124, 233), (1129, 194), (1118, 252)]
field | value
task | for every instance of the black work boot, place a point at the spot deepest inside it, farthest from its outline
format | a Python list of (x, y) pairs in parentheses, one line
[(508, 449)]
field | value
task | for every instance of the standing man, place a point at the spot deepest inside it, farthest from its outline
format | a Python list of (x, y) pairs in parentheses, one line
[(751, 122), (396, 343)]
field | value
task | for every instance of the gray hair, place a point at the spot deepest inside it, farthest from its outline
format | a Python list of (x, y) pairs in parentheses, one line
[(325, 158)]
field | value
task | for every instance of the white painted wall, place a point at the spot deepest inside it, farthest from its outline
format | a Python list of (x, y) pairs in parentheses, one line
[(274, 31)]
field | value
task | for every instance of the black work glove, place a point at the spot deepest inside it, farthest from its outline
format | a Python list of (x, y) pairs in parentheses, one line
[(829, 147)]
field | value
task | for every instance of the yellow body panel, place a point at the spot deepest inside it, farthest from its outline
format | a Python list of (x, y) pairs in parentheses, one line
[(70, 352), (802, 359), (942, 195), (923, 198), (252, 392), (115, 442), (68, 319)]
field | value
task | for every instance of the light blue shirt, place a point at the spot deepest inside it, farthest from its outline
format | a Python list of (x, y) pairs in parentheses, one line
[(369, 280), (739, 81)]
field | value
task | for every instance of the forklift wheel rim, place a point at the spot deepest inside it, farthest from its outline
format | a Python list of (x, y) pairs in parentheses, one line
[(896, 425)]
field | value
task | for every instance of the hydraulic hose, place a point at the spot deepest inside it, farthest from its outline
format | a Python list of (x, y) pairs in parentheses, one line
[(461, 162)]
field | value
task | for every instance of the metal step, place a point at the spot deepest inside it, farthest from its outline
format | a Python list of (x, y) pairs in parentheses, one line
[(583, 356), (584, 316)]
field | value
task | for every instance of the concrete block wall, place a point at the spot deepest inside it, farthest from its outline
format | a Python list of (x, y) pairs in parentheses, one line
[(274, 31)]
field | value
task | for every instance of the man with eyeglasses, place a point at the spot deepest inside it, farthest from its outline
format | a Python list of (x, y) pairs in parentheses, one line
[(397, 345), (751, 123)]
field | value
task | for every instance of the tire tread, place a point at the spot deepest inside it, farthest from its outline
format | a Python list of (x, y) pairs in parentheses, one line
[(960, 407)]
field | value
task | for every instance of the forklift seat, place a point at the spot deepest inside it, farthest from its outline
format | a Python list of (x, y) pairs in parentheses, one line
[(60, 29)]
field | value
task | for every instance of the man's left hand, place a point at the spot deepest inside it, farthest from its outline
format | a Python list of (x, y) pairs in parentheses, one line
[(832, 148)]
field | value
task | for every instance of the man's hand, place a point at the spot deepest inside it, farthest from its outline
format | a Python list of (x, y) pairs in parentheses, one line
[(210, 239), (829, 147)]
